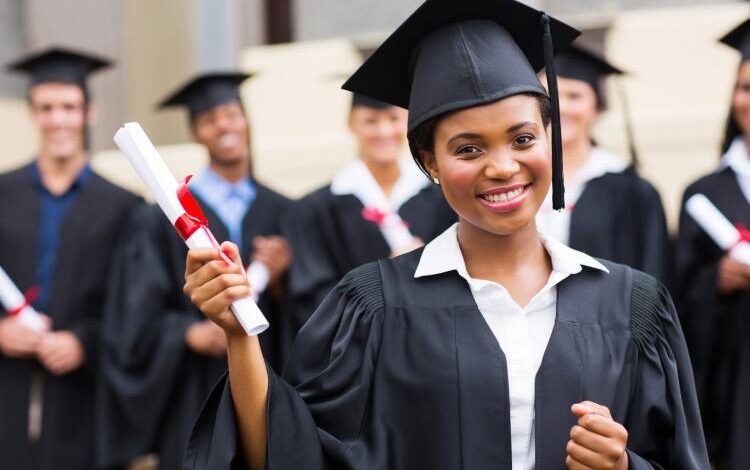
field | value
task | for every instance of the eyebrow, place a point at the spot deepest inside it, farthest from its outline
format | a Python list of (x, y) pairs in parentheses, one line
[(510, 130)]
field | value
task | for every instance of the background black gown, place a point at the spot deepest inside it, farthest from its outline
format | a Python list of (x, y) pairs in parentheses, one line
[(620, 217), (330, 237), (88, 236), (402, 373), (154, 385), (717, 327)]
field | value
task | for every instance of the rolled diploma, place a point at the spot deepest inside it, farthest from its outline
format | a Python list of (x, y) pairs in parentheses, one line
[(395, 231), (259, 277), (12, 298), (149, 165), (721, 231)]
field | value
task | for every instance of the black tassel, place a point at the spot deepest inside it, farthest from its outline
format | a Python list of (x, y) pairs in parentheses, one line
[(558, 185), (628, 126)]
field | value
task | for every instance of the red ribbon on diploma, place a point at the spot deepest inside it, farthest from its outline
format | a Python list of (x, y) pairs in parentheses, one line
[(373, 214), (193, 219), (28, 298), (744, 235)]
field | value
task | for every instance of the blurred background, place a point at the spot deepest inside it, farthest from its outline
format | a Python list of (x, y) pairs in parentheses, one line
[(300, 50)]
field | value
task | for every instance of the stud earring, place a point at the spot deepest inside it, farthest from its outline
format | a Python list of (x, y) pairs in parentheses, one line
[(436, 180)]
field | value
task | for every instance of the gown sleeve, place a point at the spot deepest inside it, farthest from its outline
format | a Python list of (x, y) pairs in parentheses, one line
[(317, 410), (664, 422), (143, 343), (313, 272), (653, 237)]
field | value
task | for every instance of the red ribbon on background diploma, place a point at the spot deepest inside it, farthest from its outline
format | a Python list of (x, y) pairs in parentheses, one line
[(193, 219), (28, 298), (373, 214), (744, 235)]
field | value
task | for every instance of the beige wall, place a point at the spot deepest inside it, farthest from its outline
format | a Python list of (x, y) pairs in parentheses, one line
[(679, 92)]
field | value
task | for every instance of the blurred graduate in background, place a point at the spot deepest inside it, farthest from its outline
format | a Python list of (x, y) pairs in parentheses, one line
[(361, 215), (161, 356), (713, 289), (59, 225), (610, 211)]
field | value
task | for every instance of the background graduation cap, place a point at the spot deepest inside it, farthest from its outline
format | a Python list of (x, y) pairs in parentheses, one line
[(206, 91), (454, 54), (59, 65), (739, 39), (578, 62)]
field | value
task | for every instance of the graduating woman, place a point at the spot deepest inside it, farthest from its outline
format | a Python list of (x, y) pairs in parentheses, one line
[(610, 211), (357, 218), (714, 290), (491, 347)]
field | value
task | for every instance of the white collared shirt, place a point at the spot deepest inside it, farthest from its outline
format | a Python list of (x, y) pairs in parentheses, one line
[(521, 332), (738, 158), (557, 224)]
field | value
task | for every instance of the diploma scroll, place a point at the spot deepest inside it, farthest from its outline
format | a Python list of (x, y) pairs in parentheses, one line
[(259, 278), (17, 305), (180, 208), (721, 231), (394, 229)]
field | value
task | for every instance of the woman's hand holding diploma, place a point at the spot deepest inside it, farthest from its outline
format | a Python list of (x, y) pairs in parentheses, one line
[(597, 441), (212, 285)]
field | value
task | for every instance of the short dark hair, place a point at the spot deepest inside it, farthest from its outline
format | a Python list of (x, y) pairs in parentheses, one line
[(422, 138)]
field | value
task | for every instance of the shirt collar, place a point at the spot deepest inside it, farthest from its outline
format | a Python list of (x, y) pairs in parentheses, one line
[(737, 158), (213, 187), (79, 182), (356, 179), (443, 254)]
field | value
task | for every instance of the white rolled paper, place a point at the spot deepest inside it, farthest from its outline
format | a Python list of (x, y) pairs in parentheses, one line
[(396, 232), (12, 299), (259, 278), (151, 168), (721, 230)]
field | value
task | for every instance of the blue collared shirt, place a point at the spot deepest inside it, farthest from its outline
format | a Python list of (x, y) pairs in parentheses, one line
[(230, 201), (52, 213)]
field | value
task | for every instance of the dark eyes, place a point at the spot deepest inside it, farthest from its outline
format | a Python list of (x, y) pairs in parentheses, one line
[(524, 139), (467, 150), (743, 87)]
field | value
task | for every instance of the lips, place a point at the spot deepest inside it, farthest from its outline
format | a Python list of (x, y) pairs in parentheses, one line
[(505, 199)]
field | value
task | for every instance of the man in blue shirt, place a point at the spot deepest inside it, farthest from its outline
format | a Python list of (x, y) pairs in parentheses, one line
[(187, 353), (59, 223)]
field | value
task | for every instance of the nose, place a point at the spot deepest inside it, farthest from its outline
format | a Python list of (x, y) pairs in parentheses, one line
[(501, 166)]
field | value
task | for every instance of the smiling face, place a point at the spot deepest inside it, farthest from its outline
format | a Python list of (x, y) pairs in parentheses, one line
[(224, 131), (60, 114), (493, 164), (578, 109), (741, 99), (380, 132)]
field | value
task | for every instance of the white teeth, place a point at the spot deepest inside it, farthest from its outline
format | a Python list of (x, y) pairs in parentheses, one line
[(504, 197)]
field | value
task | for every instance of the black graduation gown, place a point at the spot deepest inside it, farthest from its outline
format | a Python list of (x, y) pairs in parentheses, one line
[(330, 237), (716, 326), (619, 217), (89, 233), (154, 385), (402, 373)]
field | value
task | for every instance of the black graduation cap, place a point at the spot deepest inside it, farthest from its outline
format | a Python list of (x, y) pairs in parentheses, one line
[(579, 63), (59, 65), (206, 91), (454, 54), (739, 38), (367, 102)]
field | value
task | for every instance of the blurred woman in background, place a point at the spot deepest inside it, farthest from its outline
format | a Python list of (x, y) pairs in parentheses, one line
[(611, 212), (378, 206), (713, 289)]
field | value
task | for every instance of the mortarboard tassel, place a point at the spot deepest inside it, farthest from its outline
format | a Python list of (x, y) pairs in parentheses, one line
[(558, 185), (628, 125)]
